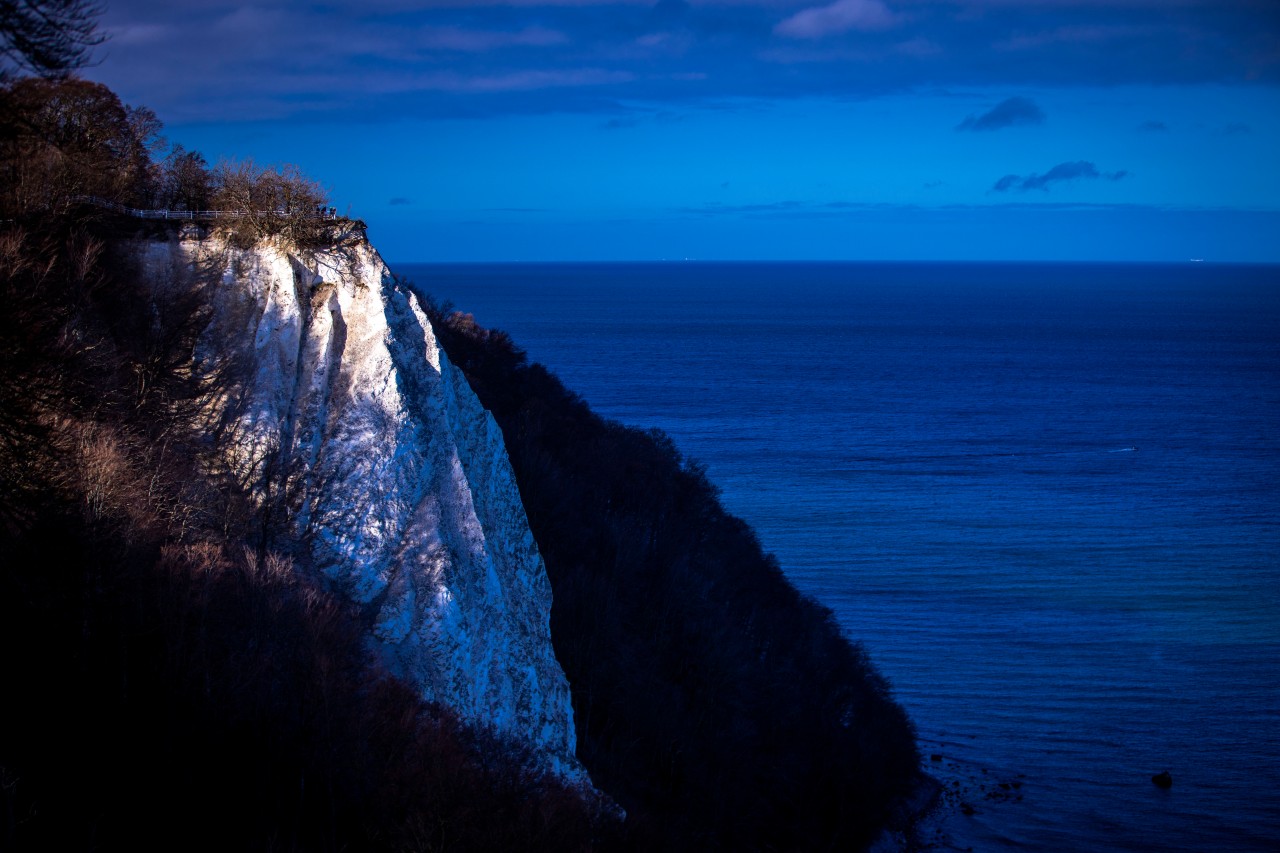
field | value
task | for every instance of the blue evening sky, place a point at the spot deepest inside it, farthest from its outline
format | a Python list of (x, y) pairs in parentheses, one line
[(740, 129)]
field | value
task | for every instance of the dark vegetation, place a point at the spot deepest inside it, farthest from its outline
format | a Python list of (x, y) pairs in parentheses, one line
[(65, 140), (46, 36), (722, 709), (167, 683), (167, 687)]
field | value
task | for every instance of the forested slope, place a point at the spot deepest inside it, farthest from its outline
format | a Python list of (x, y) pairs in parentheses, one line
[(722, 708)]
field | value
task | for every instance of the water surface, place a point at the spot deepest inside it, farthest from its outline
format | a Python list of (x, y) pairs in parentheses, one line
[(1045, 497)]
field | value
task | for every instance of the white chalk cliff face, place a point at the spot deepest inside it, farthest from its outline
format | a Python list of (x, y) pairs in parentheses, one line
[(353, 427)]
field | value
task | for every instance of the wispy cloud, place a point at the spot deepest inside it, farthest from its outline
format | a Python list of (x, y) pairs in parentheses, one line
[(523, 80), (839, 17), (1152, 126), (717, 209), (478, 41), (398, 201), (1008, 113), (1077, 35), (1070, 171), (795, 209)]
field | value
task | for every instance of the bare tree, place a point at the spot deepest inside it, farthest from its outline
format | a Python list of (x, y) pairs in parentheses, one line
[(270, 201), (188, 184), (47, 36)]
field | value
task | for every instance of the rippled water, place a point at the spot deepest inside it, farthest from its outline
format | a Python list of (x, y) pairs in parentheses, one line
[(1045, 497)]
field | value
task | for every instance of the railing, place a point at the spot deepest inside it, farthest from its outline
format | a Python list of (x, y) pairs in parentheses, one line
[(318, 213)]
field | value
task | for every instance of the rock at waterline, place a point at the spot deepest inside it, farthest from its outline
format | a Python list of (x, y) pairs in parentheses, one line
[(1162, 780)]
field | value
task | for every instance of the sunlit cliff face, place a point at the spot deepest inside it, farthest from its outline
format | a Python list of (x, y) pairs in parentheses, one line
[(365, 445)]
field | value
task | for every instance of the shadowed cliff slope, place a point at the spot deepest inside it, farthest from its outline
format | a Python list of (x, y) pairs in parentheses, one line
[(720, 706)]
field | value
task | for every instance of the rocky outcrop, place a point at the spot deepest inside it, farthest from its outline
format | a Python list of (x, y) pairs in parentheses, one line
[(359, 437)]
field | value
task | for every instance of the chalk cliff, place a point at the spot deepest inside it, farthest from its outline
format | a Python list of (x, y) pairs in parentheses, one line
[(363, 442)]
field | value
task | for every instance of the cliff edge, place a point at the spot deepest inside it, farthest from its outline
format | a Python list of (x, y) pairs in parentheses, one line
[(365, 445)]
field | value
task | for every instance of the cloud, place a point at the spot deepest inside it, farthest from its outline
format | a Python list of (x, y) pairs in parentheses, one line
[(1070, 171), (472, 41), (398, 200), (140, 35), (1008, 182), (1008, 113), (840, 17), (366, 61), (1082, 35), (1152, 126), (521, 80), (718, 209), (1237, 129)]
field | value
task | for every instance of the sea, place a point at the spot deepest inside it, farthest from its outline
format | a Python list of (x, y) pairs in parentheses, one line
[(1044, 497)]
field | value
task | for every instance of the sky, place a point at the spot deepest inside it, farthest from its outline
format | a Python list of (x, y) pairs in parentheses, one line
[(539, 130)]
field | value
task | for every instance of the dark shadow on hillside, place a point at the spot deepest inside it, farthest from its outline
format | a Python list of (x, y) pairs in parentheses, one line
[(724, 710)]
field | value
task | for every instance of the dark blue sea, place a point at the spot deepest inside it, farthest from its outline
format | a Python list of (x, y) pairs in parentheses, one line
[(1046, 498)]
